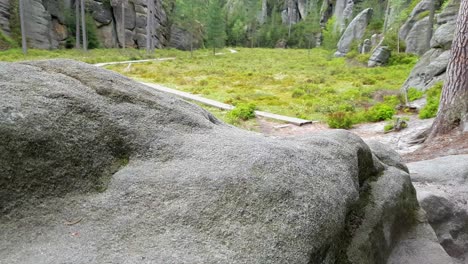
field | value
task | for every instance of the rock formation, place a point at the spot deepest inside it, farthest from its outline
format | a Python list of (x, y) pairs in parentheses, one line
[(96, 168), (379, 57), (442, 186), (46, 25), (355, 31), (5, 16), (432, 65)]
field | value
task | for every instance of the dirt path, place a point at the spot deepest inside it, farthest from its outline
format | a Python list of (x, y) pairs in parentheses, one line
[(451, 144)]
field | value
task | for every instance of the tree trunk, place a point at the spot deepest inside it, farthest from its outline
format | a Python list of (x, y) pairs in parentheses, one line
[(453, 108), (430, 23), (77, 24), (83, 25), (123, 24), (23, 28), (148, 26)]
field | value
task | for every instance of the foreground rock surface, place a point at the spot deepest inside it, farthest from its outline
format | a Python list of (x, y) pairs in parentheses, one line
[(442, 186), (96, 168)]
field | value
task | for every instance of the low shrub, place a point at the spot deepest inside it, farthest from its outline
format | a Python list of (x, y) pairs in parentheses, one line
[(242, 111), (380, 112), (340, 120), (414, 94), (432, 105)]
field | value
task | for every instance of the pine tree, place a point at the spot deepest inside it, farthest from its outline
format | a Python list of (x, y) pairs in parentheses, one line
[(188, 15), (216, 27)]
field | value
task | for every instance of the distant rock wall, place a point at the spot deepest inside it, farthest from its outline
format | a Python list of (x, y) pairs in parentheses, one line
[(432, 65), (46, 29), (5, 16)]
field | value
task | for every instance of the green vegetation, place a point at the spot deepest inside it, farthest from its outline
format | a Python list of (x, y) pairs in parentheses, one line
[(432, 105), (6, 42), (340, 120), (287, 82), (242, 112), (380, 112), (414, 94), (92, 56)]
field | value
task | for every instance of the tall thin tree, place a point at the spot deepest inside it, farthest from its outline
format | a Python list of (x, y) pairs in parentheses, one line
[(77, 24), (23, 27), (83, 25), (453, 107), (123, 24), (148, 26)]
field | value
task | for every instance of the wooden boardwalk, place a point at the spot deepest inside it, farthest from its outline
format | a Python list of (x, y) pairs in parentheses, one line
[(193, 97), (130, 62)]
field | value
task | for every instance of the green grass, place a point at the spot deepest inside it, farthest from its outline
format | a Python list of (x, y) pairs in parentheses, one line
[(287, 82), (283, 81), (92, 56)]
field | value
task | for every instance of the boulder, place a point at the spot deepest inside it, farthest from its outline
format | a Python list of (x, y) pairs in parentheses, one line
[(416, 40), (432, 65), (101, 13), (96, 168), (180, 39), (430, 68), (421, 7), (354, 31), (443, 36), (108, 36), (379, 57), (442, 187), (39, 26), (365, 47)]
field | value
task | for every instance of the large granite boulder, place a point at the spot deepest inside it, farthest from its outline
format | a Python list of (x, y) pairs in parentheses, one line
[(355, 31), (432, 65), (180, 39), (416, 40), (421, 7), (442, 186), (380, 56), (430, 69), (96, 168)]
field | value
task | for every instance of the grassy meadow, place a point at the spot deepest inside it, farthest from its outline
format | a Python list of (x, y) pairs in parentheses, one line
[(307, 84), (290, 82)]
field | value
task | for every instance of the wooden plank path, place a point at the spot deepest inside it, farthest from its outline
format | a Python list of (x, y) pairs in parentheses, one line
[(193, 97), (132, 61)]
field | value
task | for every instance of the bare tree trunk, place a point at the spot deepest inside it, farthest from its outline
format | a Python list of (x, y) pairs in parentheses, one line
[(123, 24), (152, 26), (77, 24), (23, 28), (453, 108), (83, 25), (430, 23)]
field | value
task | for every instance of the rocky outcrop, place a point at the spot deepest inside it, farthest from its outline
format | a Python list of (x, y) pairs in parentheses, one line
[(5, 16), (415, 30), (96, 168), (442, 187), (416, 40), (181, 39), (432, 65), (46, 24), (355, 31), (379, 57)]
